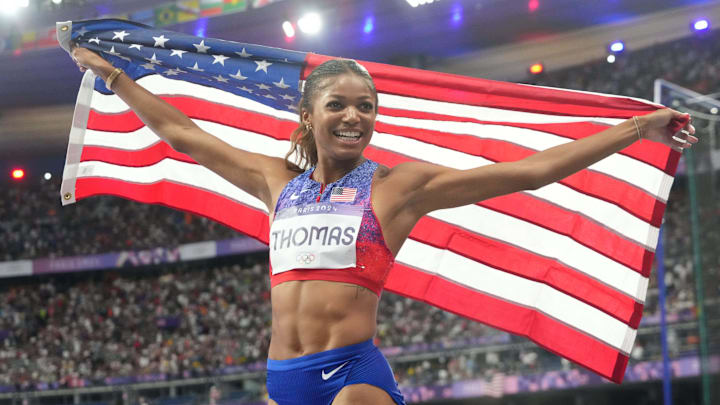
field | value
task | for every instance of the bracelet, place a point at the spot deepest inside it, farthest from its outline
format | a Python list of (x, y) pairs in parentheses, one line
[(637, 127), (115, 73)]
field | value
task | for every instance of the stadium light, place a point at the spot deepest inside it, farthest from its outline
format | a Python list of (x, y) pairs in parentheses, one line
[(18, 174), (416, 3), (536, 68), (611, 59), (369, 25), (701, 25), (533, 5), (457, 14), (617, 46), (47, 176), (714, 110), (288, 29), (57, 1), (11, 6), (310, 23)]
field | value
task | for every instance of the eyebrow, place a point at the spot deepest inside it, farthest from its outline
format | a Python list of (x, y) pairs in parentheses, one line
[(343, 97)]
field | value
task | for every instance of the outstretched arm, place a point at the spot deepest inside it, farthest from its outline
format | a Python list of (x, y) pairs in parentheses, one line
[(436, 187), (254, 173)]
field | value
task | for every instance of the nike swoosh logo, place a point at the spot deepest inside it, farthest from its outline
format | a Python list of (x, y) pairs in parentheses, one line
[(325, 377), (294, 196)]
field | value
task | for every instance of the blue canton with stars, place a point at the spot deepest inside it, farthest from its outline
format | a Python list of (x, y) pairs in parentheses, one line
[(268, 75)]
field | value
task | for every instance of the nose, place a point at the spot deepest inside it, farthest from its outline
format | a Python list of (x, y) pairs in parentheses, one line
[(351, 115)]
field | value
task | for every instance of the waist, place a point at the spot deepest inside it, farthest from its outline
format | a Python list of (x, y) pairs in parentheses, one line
[(315, 316)]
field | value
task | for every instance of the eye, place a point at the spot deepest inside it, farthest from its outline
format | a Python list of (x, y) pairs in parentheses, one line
[(366, 106), (334, 105)]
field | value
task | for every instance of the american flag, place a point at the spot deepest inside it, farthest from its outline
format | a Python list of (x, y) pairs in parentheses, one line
[(343, 194), (566, 265)]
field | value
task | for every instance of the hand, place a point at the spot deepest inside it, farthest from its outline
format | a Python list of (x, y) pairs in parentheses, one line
[(86, 59), (658, 127)]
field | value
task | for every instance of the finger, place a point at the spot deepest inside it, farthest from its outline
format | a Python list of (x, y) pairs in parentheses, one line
[(690, 128)]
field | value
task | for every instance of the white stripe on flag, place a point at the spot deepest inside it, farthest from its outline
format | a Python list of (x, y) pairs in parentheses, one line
[(603, 212), (546, 243), (482, 113), (175, 171), (521, 291)]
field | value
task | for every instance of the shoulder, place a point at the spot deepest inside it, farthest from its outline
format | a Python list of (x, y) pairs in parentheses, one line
[(407, 172)]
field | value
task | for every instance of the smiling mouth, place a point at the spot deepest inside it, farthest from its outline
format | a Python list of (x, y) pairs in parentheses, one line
[(348, 135)]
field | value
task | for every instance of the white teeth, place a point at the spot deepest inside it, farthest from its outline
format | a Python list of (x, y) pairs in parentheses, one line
[(349, 134)]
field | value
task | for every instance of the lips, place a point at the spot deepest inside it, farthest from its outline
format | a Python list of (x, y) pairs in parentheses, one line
[(351, 137)]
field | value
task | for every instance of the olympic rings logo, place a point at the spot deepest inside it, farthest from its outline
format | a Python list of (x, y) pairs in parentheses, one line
[(305, 258)]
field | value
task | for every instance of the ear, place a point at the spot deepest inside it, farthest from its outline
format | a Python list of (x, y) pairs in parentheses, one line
[(306, 118)]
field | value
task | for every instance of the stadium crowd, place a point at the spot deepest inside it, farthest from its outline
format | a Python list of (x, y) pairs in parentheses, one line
[(193, 319)]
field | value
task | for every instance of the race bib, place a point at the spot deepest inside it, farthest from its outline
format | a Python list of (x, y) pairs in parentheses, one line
[(315, 236)]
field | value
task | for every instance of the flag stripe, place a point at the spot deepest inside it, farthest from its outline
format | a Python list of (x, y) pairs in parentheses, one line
[(652, 153), (520, 262), (544, 330), (636, 232), (430, 232), (472, 217), (518, 290), (533, 207), (246, 219), (631, 171), (541, 213), (619, 166), (489, 93)]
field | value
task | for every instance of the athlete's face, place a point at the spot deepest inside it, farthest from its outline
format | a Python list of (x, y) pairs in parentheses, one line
[(343, 117)]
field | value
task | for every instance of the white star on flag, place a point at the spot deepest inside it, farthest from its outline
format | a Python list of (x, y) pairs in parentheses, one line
[(201, 47), (220, 59), (244, 54), (170, 72), (281, 83), (82, 31), (160, 41), (177, 52), (136, 46), (148, 66), (96, 40), (263, 86), (262, 65), (220, 78), (243, 88), (238, 75), (269, 96), (121, 35), (288, 97), (196, 68), (153, 60), (112, 51)]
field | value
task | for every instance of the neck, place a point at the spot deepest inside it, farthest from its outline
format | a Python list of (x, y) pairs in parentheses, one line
[(329, 172)]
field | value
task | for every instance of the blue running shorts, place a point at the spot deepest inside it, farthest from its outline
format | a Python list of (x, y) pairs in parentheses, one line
[(317, 378)]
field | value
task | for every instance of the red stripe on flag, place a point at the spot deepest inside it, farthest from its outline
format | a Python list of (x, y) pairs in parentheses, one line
[(528, 265), (633, 200), (567, 223), (489, 93), (437, 233), (542, 329), (599, 185), (652, 153), (519, 205), (245, 219)]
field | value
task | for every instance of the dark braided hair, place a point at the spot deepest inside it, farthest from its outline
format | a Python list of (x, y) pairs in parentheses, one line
[(303, 141)]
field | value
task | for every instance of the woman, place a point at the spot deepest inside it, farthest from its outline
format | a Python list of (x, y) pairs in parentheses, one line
[(356, 212)]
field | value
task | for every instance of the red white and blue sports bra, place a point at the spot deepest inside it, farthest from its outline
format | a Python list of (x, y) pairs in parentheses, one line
[(329, 232)]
